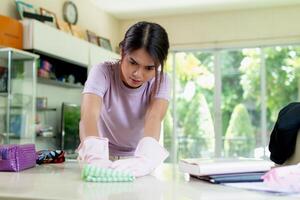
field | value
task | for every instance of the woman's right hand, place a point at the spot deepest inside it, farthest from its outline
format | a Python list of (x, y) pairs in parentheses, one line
[(94, 150)]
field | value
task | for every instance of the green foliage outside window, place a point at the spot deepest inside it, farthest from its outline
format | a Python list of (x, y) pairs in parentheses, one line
[(240, 136), (194, 83)]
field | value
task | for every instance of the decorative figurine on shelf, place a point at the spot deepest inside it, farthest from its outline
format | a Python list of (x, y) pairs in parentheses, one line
[(45, 69), (71, 79), (41, 102)]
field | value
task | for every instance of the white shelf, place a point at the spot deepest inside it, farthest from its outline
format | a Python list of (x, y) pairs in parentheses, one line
[(53, 42), (45, 109), (17, 54), (44, 39), (58, 83)]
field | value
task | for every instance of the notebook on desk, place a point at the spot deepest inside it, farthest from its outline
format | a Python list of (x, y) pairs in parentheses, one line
[(235, 167)]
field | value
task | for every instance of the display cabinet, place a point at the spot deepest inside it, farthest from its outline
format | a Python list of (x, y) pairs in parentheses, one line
[(17, 96)]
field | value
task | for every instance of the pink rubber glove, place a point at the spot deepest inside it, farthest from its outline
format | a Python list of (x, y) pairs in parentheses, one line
[(285, 179), (94, 150), (148, 155)]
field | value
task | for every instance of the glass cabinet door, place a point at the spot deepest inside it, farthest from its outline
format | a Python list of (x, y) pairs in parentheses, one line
[(17, 96)]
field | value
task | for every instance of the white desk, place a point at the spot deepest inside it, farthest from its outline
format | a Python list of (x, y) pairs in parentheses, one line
[(62, 181)]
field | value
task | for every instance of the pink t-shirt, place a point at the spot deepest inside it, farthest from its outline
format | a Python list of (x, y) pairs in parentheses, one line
[(123, 109)]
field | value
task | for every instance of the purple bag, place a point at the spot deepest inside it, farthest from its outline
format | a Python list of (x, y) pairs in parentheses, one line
[(17, 157)]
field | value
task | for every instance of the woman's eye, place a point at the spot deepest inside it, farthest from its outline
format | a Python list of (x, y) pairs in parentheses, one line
[(150, 68), (132, 62)]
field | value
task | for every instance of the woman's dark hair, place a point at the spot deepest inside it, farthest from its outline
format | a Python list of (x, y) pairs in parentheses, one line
[(153, 38)]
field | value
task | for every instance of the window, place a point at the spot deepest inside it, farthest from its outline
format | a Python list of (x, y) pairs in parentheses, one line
[(240, 75), (255, 83), (194, 81)]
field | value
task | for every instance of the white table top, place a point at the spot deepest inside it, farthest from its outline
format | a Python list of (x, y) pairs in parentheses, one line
[(62, 181)]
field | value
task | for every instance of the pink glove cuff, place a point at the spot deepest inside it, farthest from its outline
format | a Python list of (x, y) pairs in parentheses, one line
[(149, 148), (285, 178)]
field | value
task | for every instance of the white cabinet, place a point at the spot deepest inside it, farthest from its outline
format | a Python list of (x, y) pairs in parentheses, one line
[(50, 41)]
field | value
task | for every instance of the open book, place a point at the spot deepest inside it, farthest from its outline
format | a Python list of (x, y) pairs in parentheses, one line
[(205, 167)]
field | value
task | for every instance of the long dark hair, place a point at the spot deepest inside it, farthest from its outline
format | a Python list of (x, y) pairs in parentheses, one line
[(154, 39)]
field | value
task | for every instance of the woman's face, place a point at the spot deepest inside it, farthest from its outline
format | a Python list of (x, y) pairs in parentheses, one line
[(137, 67)]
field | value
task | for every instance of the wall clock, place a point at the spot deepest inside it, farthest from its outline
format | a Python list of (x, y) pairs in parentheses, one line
[(70, 12)]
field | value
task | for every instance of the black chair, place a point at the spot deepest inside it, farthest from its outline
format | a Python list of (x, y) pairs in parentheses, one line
[(295, 158)]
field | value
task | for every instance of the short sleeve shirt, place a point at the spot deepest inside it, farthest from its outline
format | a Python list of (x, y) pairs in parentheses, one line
[(123, 109)]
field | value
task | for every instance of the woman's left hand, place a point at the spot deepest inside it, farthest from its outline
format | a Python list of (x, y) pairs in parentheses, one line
[(148, 155), (134, 166)]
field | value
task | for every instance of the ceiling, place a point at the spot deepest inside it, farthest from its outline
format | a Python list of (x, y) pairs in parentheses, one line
[(130, 9)]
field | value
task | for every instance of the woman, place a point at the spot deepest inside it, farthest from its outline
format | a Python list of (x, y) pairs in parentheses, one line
[(125, 102)]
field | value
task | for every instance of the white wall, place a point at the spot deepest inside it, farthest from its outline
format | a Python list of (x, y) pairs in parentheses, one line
[(230, 28), (90, 16)]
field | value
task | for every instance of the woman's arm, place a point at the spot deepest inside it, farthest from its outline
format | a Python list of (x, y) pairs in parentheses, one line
[(90, 111), (93, 148), (154, 116)]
